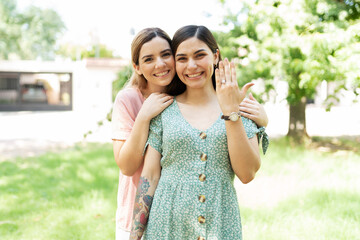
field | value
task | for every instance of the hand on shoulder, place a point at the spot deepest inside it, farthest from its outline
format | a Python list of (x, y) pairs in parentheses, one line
[(154, 104), (252, 109)]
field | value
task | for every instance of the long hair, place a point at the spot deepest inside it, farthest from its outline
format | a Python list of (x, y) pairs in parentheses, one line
[(144, 36), (202, 33)]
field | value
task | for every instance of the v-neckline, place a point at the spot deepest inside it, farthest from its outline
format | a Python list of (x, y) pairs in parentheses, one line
[(187, 122)]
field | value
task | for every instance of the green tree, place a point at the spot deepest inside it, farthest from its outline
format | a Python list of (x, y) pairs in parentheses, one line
[(29, 34), (123, 77), (77, 52), (9, 29), (302, 42)]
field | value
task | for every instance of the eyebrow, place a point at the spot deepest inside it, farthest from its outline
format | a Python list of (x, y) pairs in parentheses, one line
[(163, 51), (182, 54)]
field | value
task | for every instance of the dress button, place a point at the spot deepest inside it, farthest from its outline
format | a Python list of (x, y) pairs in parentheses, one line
[(203, 157), (202, 177), (201, 219), (202, 135), (200, 238), (202, 198)]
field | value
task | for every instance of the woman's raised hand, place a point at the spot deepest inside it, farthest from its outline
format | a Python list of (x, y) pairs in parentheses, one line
[(227, 88), (154, 105)]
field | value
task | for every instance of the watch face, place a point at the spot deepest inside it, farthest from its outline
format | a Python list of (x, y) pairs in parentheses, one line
[(234, 117)]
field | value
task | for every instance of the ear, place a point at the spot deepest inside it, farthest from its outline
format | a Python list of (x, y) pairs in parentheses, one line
[(137, 69), (216, 57)]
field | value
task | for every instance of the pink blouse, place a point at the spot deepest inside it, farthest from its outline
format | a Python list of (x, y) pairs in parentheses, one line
[(126, 107)]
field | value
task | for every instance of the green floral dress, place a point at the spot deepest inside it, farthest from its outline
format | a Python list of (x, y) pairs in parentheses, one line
[(195, 197)]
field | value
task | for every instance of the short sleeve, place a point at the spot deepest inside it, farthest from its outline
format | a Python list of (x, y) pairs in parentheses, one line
[(263, 138), (250, 127), (125, 109), (155, 134)]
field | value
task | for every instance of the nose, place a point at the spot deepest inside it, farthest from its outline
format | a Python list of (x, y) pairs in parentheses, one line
[(192, 64), (160, 63)]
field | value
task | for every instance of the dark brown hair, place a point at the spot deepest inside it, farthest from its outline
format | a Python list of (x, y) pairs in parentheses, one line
[(144, 36), (202, 33)]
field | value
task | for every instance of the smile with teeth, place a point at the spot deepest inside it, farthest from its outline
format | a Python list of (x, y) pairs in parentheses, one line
[(194, 75), (161, 74)]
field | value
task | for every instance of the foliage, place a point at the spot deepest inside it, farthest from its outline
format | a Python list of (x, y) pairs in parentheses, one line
[(123, 76), (301, 42), (79, 52), (30, 34), (273, 44)]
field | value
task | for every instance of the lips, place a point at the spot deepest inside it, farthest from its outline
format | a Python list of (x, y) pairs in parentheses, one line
[(161, 74), (194, 75)]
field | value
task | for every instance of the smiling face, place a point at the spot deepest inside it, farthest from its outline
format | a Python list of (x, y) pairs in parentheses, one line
[(156, 63), (195, 63)]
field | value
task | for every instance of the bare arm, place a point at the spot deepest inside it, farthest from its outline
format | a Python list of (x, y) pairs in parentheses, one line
[(129, 154), (243, 152), (253, 110), (145, 192)]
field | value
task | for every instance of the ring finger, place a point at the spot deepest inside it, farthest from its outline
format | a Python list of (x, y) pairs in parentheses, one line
[(227, 70), (222, 73)]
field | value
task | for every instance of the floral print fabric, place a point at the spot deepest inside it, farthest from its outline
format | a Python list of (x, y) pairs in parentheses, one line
[(195, 197)]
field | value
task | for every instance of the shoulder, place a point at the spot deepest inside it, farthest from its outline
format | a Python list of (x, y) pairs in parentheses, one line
[(128, 93), (127, 105), (130, 97), (168, 112), (166, 116), (171, 108)]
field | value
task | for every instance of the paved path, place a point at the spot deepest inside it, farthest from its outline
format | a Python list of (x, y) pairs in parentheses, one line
[(33, 133)]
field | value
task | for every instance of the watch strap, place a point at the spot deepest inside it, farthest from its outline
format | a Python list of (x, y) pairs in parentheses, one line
[(225, 117)]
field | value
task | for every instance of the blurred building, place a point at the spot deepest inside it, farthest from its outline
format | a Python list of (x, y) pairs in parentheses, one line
[(58, 85)]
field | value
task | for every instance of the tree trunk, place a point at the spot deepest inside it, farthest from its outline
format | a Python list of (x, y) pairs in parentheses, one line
[(297, 121)]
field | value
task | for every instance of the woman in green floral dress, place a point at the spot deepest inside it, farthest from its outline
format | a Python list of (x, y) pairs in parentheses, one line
[(195, 148)]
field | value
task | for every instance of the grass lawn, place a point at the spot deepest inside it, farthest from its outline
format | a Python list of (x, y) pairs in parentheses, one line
[(304, 194), (71, 195), (298, 193)]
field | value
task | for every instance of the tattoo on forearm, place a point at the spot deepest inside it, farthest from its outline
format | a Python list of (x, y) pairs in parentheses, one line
[(143, 203)]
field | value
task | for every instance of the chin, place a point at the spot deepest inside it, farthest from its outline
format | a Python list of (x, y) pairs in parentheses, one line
[(195, 84), (166, 82)]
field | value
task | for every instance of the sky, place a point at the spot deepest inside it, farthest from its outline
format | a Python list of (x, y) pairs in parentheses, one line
[(114, 22)]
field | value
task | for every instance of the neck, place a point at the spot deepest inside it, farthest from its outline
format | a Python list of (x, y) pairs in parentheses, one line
[(151, 88), (199, 96)]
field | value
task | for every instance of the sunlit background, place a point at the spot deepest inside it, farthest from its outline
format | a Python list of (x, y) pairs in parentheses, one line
[(63, 62), (114, 23)]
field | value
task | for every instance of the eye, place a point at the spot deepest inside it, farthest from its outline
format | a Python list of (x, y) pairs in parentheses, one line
[(200, 55), (147, 59), (166, 54), (181, 59)]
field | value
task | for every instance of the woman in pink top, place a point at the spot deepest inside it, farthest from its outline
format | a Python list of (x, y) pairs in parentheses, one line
[(134, 107)]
